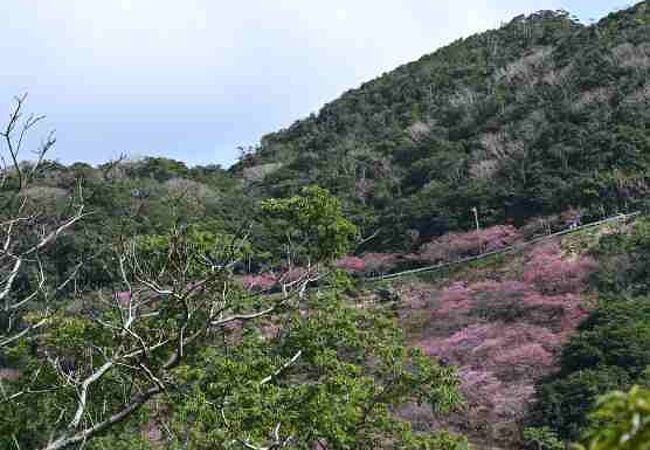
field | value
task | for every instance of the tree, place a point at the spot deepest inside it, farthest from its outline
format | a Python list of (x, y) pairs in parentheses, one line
[(312, 224), (541, 439), (620, 421), (171, 337), (98, 364), (610, 350), (325, 376), (28, 232)]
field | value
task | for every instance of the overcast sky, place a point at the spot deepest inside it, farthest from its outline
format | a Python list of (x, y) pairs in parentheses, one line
[(193, 79)]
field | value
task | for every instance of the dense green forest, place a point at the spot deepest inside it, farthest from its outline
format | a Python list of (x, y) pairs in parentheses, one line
[(539, 115), (148, 304), (125, 325)]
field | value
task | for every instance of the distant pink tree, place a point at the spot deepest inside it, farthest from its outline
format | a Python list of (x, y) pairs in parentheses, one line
[(501, 289), (381, 262), (528, 360), (570, 304), (504, 334), (554, 273), (453, 298), (456, 245), (259, 282), (268, 280), (351, 264), (480, 385), (491, 398), (480, 343), (294, 273)]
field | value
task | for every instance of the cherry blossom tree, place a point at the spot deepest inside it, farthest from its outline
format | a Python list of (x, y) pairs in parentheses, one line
[(555, 273), (455, 245)]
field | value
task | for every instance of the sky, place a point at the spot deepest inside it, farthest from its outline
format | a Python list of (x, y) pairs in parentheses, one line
[(194, 79)]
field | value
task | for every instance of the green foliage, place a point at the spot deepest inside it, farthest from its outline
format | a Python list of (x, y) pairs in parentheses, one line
[(625, 261), (565, 401), (620, 421), (541, 439), (538, 115), (352, 371), (312, 224), (161, 169), (541, 114), (205, 248), (616, 334), (170, 317)]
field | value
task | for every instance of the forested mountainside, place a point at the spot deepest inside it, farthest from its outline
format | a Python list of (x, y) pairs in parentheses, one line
[(145, 304), (539, 115)]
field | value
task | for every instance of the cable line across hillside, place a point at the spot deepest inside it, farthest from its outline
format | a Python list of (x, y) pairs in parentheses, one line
[(515, 247)]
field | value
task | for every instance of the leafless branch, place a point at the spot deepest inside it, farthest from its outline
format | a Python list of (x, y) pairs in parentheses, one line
[(26, 234), (282, 368)]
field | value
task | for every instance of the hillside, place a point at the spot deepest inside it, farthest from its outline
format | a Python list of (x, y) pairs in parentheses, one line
[(529, 119), (503, 321), (438, 259)]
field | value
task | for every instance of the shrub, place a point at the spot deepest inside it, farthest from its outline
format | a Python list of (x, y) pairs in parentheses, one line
[(541, 438), (610, 352), (538, 226), (564, 402), (625, 261), (616, 334), (499, 300), (499, 310), (560, 312), (620, 421)]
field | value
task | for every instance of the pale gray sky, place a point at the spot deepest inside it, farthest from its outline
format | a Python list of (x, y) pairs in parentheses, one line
[(193, 79)]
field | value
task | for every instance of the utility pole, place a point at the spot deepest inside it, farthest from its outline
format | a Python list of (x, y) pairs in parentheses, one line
[(475, 211)]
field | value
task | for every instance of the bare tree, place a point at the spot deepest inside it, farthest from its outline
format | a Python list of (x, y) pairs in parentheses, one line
[(162, 312), (25, 232)]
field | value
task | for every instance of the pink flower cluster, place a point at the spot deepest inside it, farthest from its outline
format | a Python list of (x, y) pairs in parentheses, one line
[(370, 263), (503, 334), (455, 245), (455, 297), (554, 273), (490, 399), (259, 282), (499, 363), (381, 262), (494, 344), (351, 264)]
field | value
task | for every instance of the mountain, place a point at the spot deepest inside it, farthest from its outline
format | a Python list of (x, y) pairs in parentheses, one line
[(517, 134), (537, 116)]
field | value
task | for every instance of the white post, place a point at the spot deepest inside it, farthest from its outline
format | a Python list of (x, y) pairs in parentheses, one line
[(475, 211)]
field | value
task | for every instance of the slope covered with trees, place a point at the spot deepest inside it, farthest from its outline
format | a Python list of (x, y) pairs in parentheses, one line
[(124, 325), (610, 349), (539, 115), (147, 304)]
